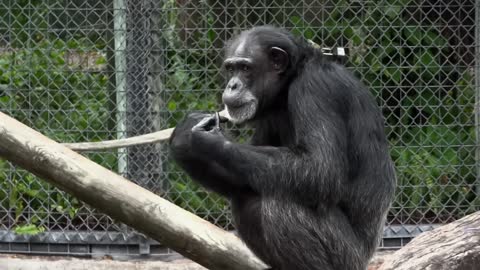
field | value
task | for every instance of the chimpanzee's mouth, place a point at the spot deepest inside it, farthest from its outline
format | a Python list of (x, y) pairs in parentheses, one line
[(240, 113)]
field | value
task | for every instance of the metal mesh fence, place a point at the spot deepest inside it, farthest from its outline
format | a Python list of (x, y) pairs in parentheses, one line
[(94, 70)]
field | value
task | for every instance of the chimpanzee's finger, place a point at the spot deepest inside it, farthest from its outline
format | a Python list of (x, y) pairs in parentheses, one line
[(223, 119), (205, 124)]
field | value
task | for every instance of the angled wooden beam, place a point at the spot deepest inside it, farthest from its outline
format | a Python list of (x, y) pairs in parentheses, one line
[(124, 201)]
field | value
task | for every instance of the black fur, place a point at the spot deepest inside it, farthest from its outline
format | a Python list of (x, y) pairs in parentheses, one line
[(313, 188)]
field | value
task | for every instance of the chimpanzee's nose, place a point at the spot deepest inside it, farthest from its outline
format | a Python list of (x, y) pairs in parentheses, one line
[(234, 84)]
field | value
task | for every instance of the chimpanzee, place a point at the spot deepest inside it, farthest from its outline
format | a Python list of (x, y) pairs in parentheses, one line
[(313, 188)]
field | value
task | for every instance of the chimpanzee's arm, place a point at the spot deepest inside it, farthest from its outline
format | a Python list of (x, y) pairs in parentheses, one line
[(210, 174), (317, 167)]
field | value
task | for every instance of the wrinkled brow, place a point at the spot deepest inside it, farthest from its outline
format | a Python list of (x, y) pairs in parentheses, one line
[(238, 60)]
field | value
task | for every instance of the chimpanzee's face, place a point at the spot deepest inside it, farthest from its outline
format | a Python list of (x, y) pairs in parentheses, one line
[(253, 77)]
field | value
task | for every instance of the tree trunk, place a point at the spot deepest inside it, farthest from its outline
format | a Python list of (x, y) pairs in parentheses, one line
[(455, 246), (165, 222)]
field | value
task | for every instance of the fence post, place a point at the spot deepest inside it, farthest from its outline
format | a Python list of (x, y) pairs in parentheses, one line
[(120, 37)]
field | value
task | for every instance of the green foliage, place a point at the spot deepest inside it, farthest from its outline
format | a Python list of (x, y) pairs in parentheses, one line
[(186, 82), (30, 229), (41, 86), (432, 176)]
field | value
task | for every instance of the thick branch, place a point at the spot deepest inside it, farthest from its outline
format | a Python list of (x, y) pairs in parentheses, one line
[(455, 246), (165, 222)]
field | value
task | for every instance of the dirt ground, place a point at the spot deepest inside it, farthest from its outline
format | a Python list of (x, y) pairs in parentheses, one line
[(28, 262)]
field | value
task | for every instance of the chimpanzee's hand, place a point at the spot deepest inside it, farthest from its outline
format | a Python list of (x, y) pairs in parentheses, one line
[(207, 135), (180, 140), (209, 123), (197, 133)]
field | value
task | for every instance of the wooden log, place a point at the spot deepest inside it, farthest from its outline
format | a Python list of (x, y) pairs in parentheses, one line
[(124, 201), (455, 246)]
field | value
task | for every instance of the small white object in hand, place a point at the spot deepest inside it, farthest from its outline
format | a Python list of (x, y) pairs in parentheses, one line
[(224, 113)]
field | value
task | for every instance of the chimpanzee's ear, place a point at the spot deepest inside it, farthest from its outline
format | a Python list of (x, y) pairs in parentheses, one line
[(279, 58)]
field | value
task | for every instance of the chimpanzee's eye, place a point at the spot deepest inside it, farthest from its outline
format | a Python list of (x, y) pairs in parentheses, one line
[(245, 68), (229, 68)]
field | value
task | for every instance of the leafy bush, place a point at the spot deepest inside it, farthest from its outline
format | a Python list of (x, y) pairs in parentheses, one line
[(40, 88)]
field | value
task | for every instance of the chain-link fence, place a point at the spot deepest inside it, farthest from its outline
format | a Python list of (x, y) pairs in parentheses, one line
[(91, 70)]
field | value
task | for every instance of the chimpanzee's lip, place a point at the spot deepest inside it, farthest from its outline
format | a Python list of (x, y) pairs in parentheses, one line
[(243, 113), (236, 105)]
